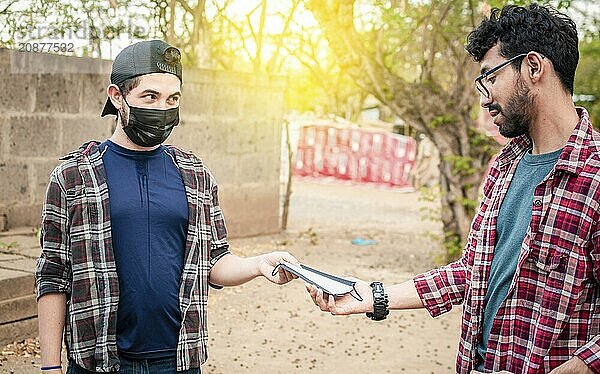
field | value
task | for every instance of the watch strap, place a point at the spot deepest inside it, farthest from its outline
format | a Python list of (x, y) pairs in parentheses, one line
[(380, 302)]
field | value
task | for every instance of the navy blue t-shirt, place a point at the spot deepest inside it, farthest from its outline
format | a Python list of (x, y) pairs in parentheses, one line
[(149, 218)]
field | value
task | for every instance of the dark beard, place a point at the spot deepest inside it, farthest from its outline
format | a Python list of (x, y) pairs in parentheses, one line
[(518, 113), (122, 118)]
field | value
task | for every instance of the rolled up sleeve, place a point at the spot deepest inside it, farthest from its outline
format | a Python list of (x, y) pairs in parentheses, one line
[(53, 268), (440, 289), (590, 352), (219, 245)]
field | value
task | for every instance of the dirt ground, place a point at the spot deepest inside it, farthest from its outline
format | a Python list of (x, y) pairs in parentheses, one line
[(259, 327)]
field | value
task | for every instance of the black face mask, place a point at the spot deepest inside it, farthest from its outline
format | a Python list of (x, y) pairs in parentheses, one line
[(149, 127)]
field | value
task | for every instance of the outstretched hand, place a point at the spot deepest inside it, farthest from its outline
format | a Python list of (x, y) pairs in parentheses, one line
[(269, 261), (343, 305)]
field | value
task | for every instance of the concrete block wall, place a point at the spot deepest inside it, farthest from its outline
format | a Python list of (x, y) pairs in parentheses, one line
[(50, 104), (18, 308), (233, 121)]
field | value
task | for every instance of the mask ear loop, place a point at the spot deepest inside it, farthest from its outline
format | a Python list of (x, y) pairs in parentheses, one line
[(126, 102), (123, 96), (275, 269), (357, 297)]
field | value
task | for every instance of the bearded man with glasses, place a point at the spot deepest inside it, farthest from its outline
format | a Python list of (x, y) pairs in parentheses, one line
[(529, 276)]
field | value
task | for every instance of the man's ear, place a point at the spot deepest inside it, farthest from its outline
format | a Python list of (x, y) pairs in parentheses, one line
[(114, 94), (537, 66)]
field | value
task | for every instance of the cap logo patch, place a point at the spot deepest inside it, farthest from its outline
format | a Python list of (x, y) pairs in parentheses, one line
[(172, 56)]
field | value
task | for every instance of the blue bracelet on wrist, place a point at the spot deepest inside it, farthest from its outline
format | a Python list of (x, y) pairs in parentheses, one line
[(44, 368)]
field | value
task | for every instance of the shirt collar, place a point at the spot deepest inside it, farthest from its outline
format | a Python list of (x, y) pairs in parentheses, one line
[(574, 153)]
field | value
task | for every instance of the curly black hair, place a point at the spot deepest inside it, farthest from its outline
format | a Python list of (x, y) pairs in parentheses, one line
[(537, 28)]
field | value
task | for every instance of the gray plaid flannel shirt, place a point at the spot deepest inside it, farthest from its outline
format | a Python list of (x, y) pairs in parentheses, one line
[(77, 257)]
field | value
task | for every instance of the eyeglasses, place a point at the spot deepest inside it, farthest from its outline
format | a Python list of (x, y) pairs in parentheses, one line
[(479, 80)]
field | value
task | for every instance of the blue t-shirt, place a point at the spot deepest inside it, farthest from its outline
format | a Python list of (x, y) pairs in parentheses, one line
[(514, 218), (149, 218)]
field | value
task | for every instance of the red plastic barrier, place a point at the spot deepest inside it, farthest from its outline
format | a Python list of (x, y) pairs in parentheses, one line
[(359, 155)]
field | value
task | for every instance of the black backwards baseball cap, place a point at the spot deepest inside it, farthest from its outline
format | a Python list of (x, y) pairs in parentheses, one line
[(146, 57)]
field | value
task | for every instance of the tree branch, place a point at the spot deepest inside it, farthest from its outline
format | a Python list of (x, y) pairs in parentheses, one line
[(185, 6)]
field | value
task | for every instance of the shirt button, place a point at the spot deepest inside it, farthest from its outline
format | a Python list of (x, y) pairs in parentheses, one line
[(537, 203)]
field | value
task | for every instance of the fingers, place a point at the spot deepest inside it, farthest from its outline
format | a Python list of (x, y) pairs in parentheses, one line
[(313, 294), (285, 256), (321, 301), (277, 274), (289, 258), (290, 276), (285, 276), (317, 296), (331, 305)]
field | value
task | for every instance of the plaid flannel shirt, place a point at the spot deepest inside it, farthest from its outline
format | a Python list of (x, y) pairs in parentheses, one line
[(78, 259), (552, 310)]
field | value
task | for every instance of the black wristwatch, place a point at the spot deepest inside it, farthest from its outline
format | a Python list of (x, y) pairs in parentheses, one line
[(380, 303)]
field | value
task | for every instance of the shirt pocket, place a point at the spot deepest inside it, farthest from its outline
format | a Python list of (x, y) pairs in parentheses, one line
[(555, 279), (546, 263), (545, 269), (560, 258)]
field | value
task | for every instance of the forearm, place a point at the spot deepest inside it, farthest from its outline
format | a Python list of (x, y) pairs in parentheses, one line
[(590, 354), (232, 270), (404, 296), (51, 319)]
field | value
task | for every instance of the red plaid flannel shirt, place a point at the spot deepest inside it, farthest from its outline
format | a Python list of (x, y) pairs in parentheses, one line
[(552, 310)]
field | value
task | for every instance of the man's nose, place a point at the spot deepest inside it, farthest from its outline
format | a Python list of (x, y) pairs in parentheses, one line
[(162, 104), (485, 101)]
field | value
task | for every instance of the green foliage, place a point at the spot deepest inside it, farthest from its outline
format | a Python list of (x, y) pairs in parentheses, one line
[(561, 4), (461, 165), (469, 204), (450, 241), (453, 246), (312, 236), (587, 77), (443, 120), (8, 246), (38, 232), (431, 211), (482, 144), (421, 41)]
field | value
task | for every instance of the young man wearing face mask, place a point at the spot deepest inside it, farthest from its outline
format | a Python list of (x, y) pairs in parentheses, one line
[(529, 276), (132, 236)]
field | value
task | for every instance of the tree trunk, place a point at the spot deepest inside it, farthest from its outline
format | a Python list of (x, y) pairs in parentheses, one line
[(171, 36), (441, 111), (288, 186), (259, 38), (200, 39)]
